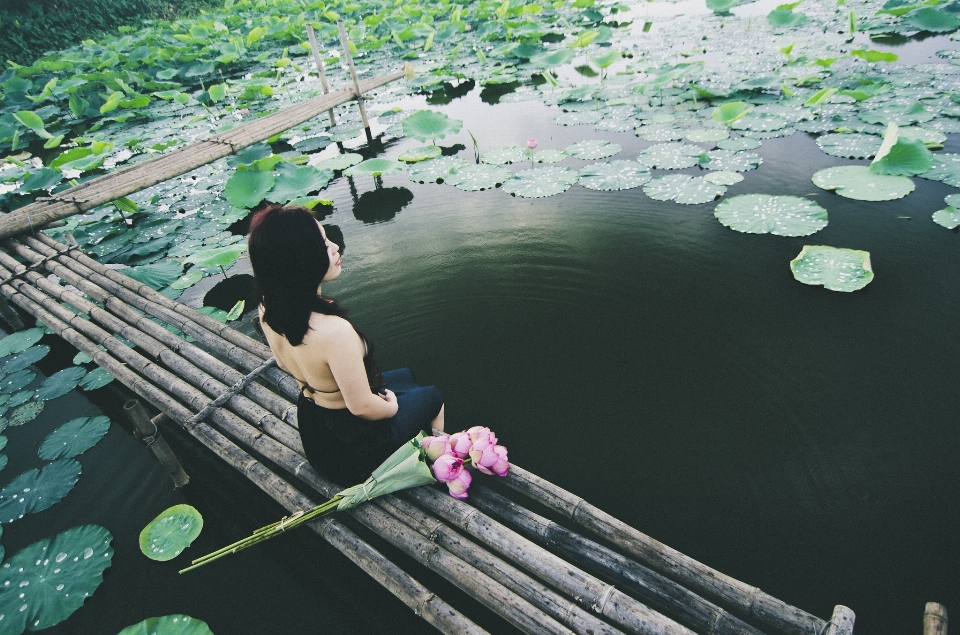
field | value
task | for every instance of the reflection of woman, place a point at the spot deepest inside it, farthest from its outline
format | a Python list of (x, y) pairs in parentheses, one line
[(350, 416)]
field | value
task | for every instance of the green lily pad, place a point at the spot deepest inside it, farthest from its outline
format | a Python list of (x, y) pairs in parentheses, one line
[(738, 144), (760, 122), (683, 189), (38, 489), (171, 532), (722, 7), (20, 341), (157, 275), (374, 167), (500, 156), (15, 381), (659, 132), (473, 178), (60, 383), (785, 18), (948, 217), (248, 188), (435, 170), (849, 146), (3, 444), (549, 156), (703, 135), (578, 118), (46, 582), (421, 153), (26, 413), (613, 175), (730, 161), (169, 625), (3, 463), (946, 168), (552, 59), (43, 179), (191, 278), (217, 257), (339, 162), (74, 437), (670, 156), (293, 182), (428, 125), (721, 177), (766, 214), (933, 139), (905, 158), (344, 131), (19, 398), (96, 378), (932, 20), (25, 358), (593, 149), (731, 111), (859, 183), (836, 269), (540, 181), (901, 115)]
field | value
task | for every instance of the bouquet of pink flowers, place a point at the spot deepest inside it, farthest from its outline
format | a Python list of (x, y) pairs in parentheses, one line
[(452, 455)]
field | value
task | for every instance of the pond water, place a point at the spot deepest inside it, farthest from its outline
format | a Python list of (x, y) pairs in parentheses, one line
[(635, 352)]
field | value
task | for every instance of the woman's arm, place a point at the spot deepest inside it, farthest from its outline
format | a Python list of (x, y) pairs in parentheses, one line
[(344, 351)]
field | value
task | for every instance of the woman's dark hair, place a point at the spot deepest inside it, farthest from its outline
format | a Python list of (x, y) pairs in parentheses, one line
[(289, 258)]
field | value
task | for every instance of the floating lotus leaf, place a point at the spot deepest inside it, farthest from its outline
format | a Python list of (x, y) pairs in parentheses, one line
[(766, 214), (374, 167), (345, 131), (946, 168), (60, 383), (785, 18), (191, 278), (593, 149), (422, 153), (540, 181), (15, 381), (21, 397), (3, 444), (249, 155), (683, 189), (20, 341), (473, 178), (294, 182), (933, 139), (760, 122), (26, 413), (900, 115), (609, 124), (169, 625), (849, 146), (157, 275), (3, 464), (313, 143), (722, 7), (730, 161), (44, 583), (37, 489), (552, 59), (217, 257), (74, 437), (549, 156), (427, 125), (730, 112), (25, 358), (858, 182), (932, 20), (43, 179), (701, 135), (659, 132), (339, 162), (670, 156), (905, 158), (500, 156), (953, 200), (171, 532), (613, 175), (96, 378), (738, 144), (248, 188), (722, 177), (435, 170), (309, 202), (948, 217), (836, 269), (578, 118)]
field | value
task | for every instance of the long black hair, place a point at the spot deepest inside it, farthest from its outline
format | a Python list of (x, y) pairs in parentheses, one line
[(289, 258)]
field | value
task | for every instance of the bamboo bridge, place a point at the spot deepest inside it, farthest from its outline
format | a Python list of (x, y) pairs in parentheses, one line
[(590, 574)]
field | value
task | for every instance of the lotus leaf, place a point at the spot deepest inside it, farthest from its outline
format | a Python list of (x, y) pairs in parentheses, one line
[(74, 437), (21, 397), (314, 143), (905, 158), (249, 155), (659, 132), (374, 167), (500, 156), (933, 139), (948, 217), (701, 135), (96, 378), (60, 383), (731, 111), (435, 170), (946, 168), (766, 214), (46, 582), (248, 188), (156, 276), (549, 156), (344, 131), (593, 149), (421, 153), (785, 18), (721, 6), (578, 118), (760, 122), (15, 381), (613, 175), (43, 179), (932, 20), (37, 489), (858, 182), (3, 464), (191, 278), (293, 182), (738, 144), (25, 358), (609, 124), (849, 146), (19, 341), (900, 115), (670, 156), (721, 177), (474, 178), (428, 125), (3, 444), (217, 257), (683, 189), (168, 625), (552, 59), (730, 161), (26, 413), (309, 202), (339, 162), (540, 181), (836, 269), (171, 532)]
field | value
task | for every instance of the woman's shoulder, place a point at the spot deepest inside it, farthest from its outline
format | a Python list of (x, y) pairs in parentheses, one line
[(324, 327)]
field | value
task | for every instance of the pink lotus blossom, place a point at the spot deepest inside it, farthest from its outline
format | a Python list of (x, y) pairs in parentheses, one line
[(460, 444), (448, 468), (435, 447), (458, 486), (531, 143), (501, 467), (481, 437)]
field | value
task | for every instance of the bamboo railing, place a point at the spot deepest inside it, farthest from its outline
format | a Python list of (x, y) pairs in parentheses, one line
[(597, 575)]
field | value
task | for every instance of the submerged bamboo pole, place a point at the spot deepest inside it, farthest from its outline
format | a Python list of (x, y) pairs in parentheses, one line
[(934, 619), (150, 433), (841, 622), (345, 43), (319, 62)]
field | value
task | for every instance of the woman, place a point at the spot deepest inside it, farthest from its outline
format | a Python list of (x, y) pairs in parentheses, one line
[(350, 416)]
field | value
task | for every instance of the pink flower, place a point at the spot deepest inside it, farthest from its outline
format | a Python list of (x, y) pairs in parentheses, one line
[(458, 486), (531, 143), (481, 437), (435, 447), (448, 468), (501, 467), (483, 459), (460, 444)]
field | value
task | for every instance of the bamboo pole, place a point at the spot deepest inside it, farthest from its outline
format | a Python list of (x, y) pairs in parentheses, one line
[(934, 619), (10, 316), (345, 43), (149, 431), (319, 62), (841, 622)]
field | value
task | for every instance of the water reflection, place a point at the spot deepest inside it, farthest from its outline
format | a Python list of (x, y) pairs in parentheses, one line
[(492, 93), (449, 92), (382, 204)]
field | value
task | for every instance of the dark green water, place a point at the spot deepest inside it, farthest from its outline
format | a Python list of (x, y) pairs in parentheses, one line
[(637, 353)]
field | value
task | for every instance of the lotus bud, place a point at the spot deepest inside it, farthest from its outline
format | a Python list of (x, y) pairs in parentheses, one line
[(531, 143), (435, 447), (458, 486), (460, 444), (501, 466), (447, 468), (484, 459)]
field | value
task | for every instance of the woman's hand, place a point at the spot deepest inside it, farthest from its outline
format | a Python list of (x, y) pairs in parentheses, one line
[(388, 396)]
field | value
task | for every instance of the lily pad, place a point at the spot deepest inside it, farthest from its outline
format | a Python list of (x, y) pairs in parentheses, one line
[(3, 463), (593, 149), (21, 397), (760, 122), (730, 161), (766, 214), (859, 183), (421, 153), (60, 383), (191, 278), (435, 170), (738, 143), (169, 625), (946, 168), (836, 269), (500, 156), (731, 111), (96, 378), (932, 20), (158, 275), (37, 489), (659, 132), (15, 381), (849, 146), (540, 181), (248, 188), (26, 413), (473, 178), (293, 182), (683, 189), (428, 125), (374, 167), (905, 158), (580, 118), (670, 156), (549, 156), (20, 341), (46, 582), (74, 437), (171, 532), (339, 162), (217, 257), (25, 358), (948, 217), (721, 177), (701, 135), (614, 175)]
